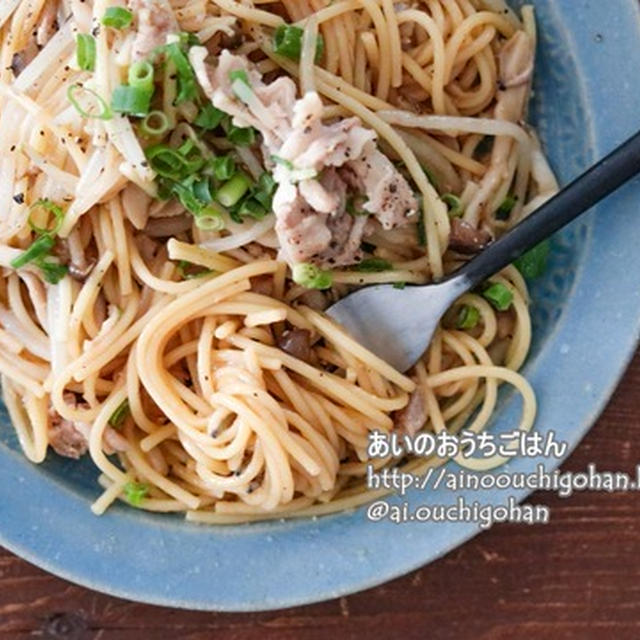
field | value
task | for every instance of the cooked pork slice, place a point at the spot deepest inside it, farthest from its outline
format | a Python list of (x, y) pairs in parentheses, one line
[(270, 112), (155, 22), (413, 417), (389, 195), (65, 438), (307, 235), (317, 166)]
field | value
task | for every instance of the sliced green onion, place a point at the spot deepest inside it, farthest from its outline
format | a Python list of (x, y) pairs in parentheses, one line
[(298, 175), (232, 191), (209, 219), (430, 177), (171, 163), (117, 18), (239, 75), (454, 203), (209, 118), (400, 285), (283, 161), (504, 210), (287, 41), (132, 101), (186, 273), (120, 414), (155, 124), (136, 493), (52, 272), (240, 136), (187, 84), (266, 188), (86, 51), (49, 207), (251, 208), (499, 296), (374, 265), (192, 153), (141, 75), (202, 191), (184, 193), (468, 317), (38, 249), (105, 112), (223, 167), (533, 264), (188, 39), (312, 277)]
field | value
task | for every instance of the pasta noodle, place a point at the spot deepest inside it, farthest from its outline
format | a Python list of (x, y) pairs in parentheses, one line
[(148, 321)]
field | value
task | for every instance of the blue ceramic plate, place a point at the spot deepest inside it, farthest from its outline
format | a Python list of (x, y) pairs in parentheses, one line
[(587, 317)]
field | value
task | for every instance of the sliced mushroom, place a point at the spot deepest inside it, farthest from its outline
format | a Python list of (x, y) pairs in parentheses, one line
[(297, 343), (466, 239)]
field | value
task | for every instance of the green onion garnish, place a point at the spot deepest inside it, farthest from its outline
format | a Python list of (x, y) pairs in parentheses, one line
[(209, 219), (374, 265), (184, 193), (223, 167), (499, 296), (117, 18), (266, 188), (287, 41), (454, 203), (86, 51), (504, 210), (468, 317), (187, 271), (312, 277), (155, 124), (132, 101), (175, 164), (239, 75), (240, 136), (251, 208), (141, 75), (209, 118), (39, 248), (49, 207), (400, 285), (232, 191), (283, 162), (104, 113), (430, 177), (187, 84), (202, 190), (52, 272), (136, 493), (120, 414), (534, 263)]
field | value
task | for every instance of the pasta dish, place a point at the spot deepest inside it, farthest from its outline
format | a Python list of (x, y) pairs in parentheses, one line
[(185, 187)]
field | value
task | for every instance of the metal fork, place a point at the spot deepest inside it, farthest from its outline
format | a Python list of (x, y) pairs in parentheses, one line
[(398, 324)]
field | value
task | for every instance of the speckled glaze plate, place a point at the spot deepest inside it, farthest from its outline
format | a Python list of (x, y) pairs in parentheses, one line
[(586, 322)]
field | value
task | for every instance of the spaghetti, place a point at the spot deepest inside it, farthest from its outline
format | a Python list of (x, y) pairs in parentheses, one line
[(147, 315)]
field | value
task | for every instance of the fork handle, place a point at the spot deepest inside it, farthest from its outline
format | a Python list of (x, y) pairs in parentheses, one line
[(596, 184)]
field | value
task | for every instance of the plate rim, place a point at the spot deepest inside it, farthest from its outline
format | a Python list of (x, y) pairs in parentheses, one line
[(604, 139)]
